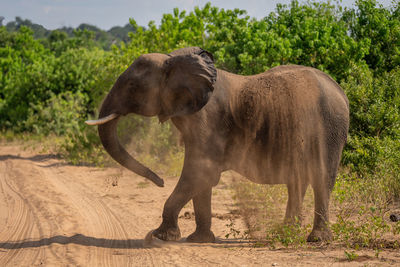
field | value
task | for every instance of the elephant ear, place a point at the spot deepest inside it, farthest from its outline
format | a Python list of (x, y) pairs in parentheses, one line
[(189, 78), (190, 50)]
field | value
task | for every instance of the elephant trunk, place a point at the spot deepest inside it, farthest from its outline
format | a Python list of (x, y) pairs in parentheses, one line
[(109, 139)]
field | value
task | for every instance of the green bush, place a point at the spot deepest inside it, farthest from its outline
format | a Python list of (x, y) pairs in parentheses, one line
[(374, 102), (32, 74), (311, 34), (380, 27), (58, 115), (373, 147)]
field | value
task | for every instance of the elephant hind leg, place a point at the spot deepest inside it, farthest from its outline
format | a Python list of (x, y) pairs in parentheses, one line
[(296, 192), (321, 231), (202, 210), (323, 187)]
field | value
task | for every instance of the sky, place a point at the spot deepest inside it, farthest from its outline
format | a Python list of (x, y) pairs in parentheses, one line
[(105, 14)]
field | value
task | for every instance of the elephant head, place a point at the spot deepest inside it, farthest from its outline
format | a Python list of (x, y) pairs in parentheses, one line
[(160, 85)]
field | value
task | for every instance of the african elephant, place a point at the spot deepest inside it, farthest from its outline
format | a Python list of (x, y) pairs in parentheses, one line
[(287, 125)]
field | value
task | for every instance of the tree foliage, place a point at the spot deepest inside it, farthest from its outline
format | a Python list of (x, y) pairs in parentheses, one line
[(44, 74)]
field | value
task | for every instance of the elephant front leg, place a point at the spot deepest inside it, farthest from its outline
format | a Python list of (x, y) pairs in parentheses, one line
[(202, 210), (169, 230), (197, 178)]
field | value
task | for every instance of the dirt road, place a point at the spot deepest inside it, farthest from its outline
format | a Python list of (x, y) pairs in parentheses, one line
[(54, 214)]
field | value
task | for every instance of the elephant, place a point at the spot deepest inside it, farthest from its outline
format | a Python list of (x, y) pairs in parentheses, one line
[(287, 125)]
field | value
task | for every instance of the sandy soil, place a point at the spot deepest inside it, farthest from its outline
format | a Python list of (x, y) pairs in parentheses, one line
[(54, 214)]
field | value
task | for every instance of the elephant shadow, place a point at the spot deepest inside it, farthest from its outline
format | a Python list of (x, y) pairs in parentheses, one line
[(42, 158), (89, 241)]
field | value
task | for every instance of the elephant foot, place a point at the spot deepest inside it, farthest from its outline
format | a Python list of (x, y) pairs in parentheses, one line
[(201, 237), (167, 234), (320, 235)]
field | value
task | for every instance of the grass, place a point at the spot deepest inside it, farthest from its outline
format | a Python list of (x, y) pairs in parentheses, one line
[(263, 209), (359, 212), (362, 207), (350, 255)]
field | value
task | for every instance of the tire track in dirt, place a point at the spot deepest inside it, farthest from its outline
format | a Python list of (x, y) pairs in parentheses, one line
[(54, 196), (46, 207), (96, 216), (104, 220), (66, 206), (18, 225), (101, 221)]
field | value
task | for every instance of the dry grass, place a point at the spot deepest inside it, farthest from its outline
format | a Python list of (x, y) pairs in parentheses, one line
[(359, 212)]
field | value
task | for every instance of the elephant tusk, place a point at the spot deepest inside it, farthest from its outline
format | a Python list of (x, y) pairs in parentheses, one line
[(102, 120)]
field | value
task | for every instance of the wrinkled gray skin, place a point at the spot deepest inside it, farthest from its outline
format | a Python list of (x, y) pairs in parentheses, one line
[(285, 126)]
